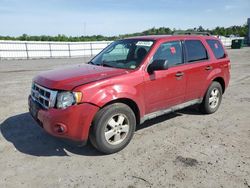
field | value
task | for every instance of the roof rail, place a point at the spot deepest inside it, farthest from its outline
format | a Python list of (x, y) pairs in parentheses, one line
[(191, 33)]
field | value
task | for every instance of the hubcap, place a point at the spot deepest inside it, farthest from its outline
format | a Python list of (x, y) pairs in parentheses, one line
[(214, 98), (117, 129)]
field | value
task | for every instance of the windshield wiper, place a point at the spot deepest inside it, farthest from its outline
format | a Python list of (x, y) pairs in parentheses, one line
[(106, 65), (91, 62)]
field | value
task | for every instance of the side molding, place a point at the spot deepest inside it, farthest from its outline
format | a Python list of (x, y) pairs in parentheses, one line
[(169, 110)]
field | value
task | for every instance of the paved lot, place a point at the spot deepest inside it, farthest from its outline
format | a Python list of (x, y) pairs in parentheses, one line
[(183, 149)]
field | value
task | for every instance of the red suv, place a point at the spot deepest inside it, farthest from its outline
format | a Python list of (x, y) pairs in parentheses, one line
[(130, 81)]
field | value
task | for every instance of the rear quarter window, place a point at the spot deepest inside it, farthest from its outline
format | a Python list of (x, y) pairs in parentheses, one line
[(217, 48), (195, 51)]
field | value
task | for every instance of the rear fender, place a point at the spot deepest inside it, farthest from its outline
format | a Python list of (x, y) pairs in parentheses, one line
[(215, 73)]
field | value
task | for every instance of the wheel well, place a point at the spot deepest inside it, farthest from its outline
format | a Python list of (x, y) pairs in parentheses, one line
[(222, 83), (131, 104)]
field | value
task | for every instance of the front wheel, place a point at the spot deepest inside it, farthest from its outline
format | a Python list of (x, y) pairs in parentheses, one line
[(212, 99), (113, 128)]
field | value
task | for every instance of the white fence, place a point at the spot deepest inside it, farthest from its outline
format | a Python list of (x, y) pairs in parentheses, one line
[(33, 50)]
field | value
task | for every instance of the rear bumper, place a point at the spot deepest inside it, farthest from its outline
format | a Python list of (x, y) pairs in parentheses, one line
[(72, 123)]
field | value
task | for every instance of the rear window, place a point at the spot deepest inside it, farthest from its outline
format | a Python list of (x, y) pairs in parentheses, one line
[(195, 51), (217, 48)]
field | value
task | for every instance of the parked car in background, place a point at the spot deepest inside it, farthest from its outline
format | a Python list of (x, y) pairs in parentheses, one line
[(129, 82)]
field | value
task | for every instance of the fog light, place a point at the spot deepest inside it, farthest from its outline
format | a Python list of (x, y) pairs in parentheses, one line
[(60, 128)]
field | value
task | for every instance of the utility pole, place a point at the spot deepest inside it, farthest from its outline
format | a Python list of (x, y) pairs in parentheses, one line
[(248, 36)]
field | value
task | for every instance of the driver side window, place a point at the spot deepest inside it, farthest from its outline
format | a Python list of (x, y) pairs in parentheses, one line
[(170, 52)]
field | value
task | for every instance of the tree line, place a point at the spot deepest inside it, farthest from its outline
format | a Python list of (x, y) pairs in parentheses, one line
[(222, 31)]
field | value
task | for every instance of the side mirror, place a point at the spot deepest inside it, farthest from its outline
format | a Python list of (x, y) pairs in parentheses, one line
[(159, 64)]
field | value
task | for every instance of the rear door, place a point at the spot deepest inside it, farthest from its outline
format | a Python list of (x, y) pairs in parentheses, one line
[(199, 66)]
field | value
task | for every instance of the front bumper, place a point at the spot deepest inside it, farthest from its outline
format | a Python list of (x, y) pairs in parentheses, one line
[(72, 123)]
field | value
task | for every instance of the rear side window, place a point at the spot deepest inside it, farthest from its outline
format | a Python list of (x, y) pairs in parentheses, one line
[(195, 51), (217, 48)]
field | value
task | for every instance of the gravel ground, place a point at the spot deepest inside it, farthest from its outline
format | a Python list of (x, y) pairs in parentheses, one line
[(182, 149)]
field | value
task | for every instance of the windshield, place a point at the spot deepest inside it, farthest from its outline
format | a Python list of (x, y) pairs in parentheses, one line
[(124, 54)]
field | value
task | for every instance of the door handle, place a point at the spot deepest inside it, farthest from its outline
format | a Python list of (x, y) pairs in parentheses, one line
[(179, 74), (208, 68)]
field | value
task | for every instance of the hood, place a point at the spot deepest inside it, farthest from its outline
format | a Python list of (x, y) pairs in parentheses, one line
[(73, 76)]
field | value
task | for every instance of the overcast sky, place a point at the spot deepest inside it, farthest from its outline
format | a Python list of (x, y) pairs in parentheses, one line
[(114, 17)]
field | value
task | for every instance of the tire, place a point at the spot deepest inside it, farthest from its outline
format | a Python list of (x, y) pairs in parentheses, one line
[(113, 128), (212, 98)]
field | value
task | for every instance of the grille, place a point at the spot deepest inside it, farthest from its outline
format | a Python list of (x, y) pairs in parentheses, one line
[(43, 96)]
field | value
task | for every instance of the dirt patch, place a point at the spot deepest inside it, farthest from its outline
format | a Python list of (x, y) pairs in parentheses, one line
[(183, 149), (186, 161)]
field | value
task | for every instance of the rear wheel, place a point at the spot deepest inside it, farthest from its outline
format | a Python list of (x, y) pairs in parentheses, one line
[(212, 99), (113, 128)]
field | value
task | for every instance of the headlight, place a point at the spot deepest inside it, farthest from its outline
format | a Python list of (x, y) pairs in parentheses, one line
[(66, 99)]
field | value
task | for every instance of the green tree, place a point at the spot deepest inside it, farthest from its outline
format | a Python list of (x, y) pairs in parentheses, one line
[(233, 30)]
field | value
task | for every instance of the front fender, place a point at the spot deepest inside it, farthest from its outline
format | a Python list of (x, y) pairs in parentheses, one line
[(129, 86), (119, 92), (102, 96)]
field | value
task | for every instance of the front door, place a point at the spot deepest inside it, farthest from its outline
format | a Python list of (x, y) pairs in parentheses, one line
[(166, 88)]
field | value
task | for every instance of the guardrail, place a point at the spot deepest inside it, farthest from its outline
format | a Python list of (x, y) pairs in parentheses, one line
[(36, 50)]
